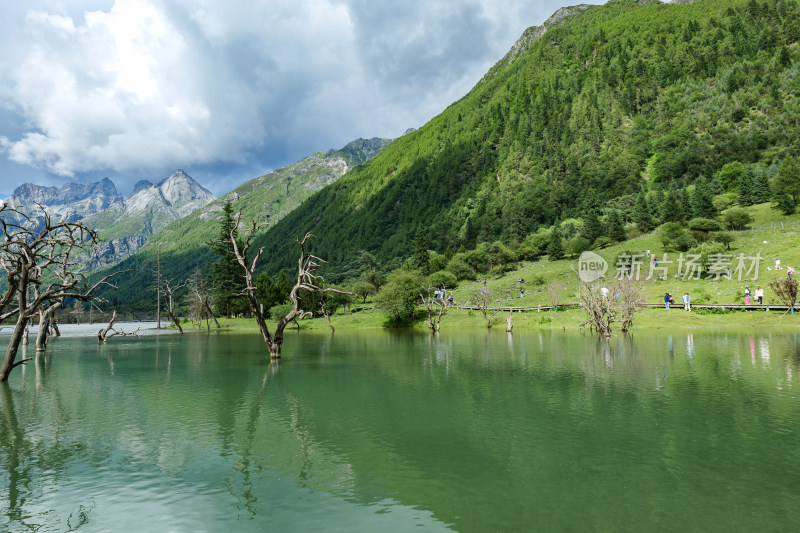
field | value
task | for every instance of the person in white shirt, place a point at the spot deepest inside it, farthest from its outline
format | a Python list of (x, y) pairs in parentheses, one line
[(760, 295), (687, 302)]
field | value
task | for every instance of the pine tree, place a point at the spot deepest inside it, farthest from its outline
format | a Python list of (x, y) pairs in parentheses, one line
[(419, 260), (746, 188), (656, 201), (671, 210), (702, 200), (760, 185), (786, 185), (616, 228), (592, 227), (227, 280), (642, 215), (555, 248)]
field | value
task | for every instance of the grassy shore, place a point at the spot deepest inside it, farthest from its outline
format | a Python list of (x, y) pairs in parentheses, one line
[(771, 235), (565, 319)]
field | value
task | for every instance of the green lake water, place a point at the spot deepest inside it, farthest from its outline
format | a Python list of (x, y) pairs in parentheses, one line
[(383, 431)]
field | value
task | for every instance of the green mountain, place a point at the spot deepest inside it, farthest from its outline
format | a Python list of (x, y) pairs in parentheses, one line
[(584, 113), (600, 103), (267, 198)]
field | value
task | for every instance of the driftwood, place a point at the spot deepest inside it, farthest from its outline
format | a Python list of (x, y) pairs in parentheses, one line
[(107, 332)]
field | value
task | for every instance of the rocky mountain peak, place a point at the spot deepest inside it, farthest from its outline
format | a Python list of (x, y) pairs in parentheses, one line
[(361, 150), (70, 193), (141, 185), (534, 33), (180, 187)]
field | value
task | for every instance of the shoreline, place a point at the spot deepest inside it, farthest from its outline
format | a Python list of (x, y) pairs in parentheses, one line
[(653, 319)]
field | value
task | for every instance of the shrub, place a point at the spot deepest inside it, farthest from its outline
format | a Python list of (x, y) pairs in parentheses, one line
[(460, 268), (576, 245), (737, 218), (684, 242), (704, 225), (279, 311), (443, 278), (602, 242), (535, 245), (399, 297)]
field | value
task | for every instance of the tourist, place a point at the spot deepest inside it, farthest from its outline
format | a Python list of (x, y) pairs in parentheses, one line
[(746, 295), (789, 273), (760, 295), (686, 302), (667, 299)]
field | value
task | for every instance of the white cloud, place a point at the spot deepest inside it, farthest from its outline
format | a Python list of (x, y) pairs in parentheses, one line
[(152, 85)]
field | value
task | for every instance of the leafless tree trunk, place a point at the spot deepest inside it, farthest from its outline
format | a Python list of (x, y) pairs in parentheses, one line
[(103, 335), (39, 256), (307, 280), (198, 297), (170, 289), (555, 294), (604, 305), (46, 321), (328, 316), (597, 305), (509, 322), (482, 299), (629, 296), (436, 310)]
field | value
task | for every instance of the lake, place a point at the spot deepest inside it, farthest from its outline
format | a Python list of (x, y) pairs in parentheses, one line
[(391, 431)]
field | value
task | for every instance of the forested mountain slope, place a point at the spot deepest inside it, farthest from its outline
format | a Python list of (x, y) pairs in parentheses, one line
[(607, 101), (183, 244)]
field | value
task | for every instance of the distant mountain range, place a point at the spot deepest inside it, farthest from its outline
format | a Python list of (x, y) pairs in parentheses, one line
[(183, 243), (123, 224)]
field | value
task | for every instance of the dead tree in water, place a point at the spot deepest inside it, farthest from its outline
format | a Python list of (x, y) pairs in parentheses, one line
[(436, 308), (38, 256), (170, 289), (103, 335), (483, 299), (307, 280), (198, 297), (46, 321), (604, 305)]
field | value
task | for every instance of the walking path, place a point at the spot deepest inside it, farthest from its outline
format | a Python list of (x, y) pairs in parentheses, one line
[(745, 307)]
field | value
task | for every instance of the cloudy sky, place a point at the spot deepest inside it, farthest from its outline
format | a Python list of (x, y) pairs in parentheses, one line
[(134, 89)]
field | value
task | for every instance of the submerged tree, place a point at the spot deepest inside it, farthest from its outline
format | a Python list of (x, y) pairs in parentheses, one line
[(170, 287), (39, 258), (307, 279), (605, 305), (483, 299), (436, 308), (198, 299)]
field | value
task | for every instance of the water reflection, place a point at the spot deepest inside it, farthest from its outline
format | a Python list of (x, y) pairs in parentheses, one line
[(473, 431)]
